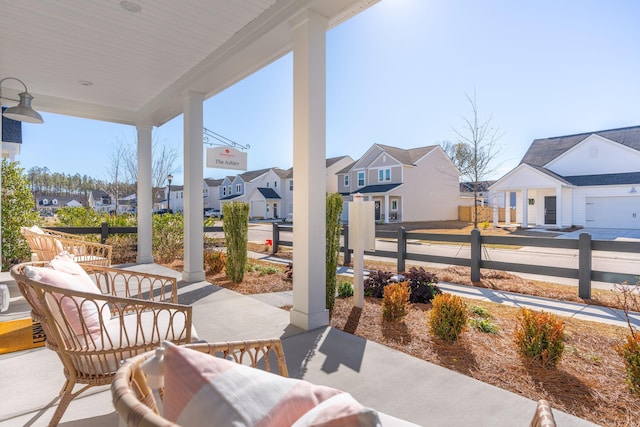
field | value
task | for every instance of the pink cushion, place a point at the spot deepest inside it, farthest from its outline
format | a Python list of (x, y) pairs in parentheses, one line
[(64, 262), (204, 390), (76, 310), (342, 410)]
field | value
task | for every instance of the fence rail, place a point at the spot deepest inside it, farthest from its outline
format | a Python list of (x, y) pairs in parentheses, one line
[(584, 246), (105, 230)]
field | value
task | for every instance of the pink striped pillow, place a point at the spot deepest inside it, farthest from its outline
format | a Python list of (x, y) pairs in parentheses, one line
[(204, 390)]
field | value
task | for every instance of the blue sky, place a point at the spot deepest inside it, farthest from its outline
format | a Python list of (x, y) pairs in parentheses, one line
[(397, 74)]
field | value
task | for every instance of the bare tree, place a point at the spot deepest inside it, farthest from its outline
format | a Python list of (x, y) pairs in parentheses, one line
[(476, 149), (116, 171), (163, 155)]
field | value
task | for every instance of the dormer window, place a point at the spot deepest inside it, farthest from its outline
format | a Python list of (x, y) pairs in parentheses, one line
[(361, 179), (346, 180)]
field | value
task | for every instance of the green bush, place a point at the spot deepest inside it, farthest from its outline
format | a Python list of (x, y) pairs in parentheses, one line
[(345, 290), (334, 226), (630, 352), (448, 317), (395, 301), (214, 261), (236, 229), (262, 269), (483, 325), (18, 210), (539, 336), (168, 237)]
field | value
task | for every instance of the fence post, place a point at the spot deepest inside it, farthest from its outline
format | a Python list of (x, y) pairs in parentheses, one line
[(584, 266), (276, 238), (104, 232), (347, 253), (402, 249), (476, 253)]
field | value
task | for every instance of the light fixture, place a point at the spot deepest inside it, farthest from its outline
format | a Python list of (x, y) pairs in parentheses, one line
[(23, 111)]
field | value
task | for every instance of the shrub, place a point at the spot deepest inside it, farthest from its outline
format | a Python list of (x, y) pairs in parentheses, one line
[(422, 285), (483, 325), (18, 210), (168, 236), (395, 301), (630, 352), (214, 261), (236, 229), (345, 290), (448, 317), (288, 272), (376, 281), (479, 311), (539, 337), (263, 269), (334, 226)]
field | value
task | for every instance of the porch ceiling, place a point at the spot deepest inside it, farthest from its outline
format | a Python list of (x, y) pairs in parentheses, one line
[(141, 63)]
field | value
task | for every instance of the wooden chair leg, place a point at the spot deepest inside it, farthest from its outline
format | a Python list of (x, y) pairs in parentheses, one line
[(66, 396)]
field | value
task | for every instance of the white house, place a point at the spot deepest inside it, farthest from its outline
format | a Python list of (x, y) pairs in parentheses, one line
[(417, 184), (590, 180), (212, 195)]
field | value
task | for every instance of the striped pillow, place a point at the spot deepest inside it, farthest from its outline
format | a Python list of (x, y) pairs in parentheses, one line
[(204, 390)]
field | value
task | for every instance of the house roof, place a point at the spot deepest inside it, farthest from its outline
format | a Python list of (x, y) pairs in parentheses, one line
[(544, 150), (605, 179), (268, 193), (233, 196), (334, 160), (467, 187), (379, 188), (406, 156), (213, 182), (251, 175)]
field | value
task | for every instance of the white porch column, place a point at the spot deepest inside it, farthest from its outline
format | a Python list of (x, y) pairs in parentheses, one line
[(507, 208), (309, 153), (386, 209), (494, 202), (525, 208), (193, 199), (559, 206), (145, 194)]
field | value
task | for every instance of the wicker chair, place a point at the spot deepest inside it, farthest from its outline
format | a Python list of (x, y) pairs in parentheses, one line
[(134, 401), (46, 244), (543, 416), (135, 312)]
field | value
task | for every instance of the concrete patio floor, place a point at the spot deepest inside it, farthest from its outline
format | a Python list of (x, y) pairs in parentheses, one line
[(390, 381)]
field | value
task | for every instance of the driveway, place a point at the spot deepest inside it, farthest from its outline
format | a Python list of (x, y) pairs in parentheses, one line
[(620, 234)]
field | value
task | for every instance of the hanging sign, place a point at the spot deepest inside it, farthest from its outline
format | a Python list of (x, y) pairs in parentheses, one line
[(226, 158)]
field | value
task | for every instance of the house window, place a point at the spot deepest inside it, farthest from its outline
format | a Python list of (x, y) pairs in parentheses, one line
[(394, 205), (384, 175), (291, 185), (229, 190), (361, 179), (238, 188), (275, 184), (267, 185), (224, 191), (346, 180)]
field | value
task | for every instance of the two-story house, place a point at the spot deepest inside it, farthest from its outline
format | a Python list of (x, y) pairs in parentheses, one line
[(212, 194), (417, 184)]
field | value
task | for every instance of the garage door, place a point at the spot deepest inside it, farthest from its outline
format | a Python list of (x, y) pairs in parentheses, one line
[(613, 212), (258, 208)]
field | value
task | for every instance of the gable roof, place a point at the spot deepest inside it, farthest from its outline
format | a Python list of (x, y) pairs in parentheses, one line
[(251, 175), (544, 150), (605, 179), (212, 182), (334, 160), (406, 156)]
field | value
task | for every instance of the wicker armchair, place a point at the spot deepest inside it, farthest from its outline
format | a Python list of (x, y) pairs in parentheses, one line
[(134, 401), (46, 244), (543, 416), (130, 313)]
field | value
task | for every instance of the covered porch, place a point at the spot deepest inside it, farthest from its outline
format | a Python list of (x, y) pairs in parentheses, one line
[(541, 199), (118, 62)]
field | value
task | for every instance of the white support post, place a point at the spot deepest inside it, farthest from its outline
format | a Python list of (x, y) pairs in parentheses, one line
[(193, 176), (525, 208), (309, 153), (494, 202), (386, 209), (145, 194), (559, 207), (362, 237), (507, 208)]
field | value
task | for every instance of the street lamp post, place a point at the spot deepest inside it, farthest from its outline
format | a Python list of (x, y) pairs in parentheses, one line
[(169, 179)]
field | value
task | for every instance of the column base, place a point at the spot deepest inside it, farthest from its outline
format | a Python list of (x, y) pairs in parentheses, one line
[(308, 321), (193, 276), (145, 259)]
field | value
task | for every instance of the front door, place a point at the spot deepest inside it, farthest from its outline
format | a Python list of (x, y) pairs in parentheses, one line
[(550, 209), (377, 209), (275, 211)]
